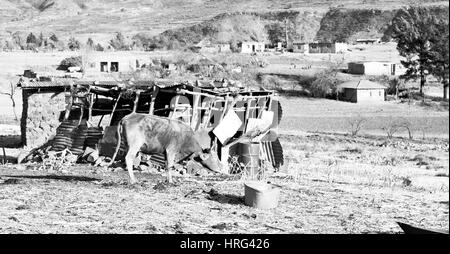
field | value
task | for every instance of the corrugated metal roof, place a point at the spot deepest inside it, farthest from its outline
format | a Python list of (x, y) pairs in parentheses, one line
[(139, 83), (361, 84)]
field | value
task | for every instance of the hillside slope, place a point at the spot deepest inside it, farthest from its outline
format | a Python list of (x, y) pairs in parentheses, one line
[(101, 18), (337, 24), (350, 24), (249, 26)]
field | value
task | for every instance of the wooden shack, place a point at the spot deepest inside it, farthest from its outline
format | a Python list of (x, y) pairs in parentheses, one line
[(222, 116)]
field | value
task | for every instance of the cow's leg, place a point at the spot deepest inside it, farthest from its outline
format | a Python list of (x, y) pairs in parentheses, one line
[(170, 163), (129, 159)]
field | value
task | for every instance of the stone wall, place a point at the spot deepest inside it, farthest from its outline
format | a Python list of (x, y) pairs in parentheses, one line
[(40, 116)]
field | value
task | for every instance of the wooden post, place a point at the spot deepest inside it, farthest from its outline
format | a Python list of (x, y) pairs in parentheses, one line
[(172, 114), (91, 104), (263, 108), (69, 105), (4, 155), (195, 112), (153, 98), (81, 115), (207, 116), (114, 109), (100, 121), (246, 115), (136, 101)]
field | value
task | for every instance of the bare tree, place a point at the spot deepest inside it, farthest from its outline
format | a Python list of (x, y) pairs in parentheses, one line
[(356, 124), (393, 126), (11, 94), (408, 126)]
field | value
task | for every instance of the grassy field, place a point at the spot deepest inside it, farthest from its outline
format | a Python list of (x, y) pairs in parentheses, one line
[(322, 115)]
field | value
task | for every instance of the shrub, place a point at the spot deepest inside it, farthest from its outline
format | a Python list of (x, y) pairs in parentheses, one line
[(98, 47), (271, 82), (325, 84), (392, 126), (73, 44), (70, 62), (356, 124), (118, 42)]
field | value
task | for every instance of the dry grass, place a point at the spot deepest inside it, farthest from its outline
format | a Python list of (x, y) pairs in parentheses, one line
[(326, 187), (323, 115)]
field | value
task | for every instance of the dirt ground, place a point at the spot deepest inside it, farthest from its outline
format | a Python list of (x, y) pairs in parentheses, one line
[(326, 186)]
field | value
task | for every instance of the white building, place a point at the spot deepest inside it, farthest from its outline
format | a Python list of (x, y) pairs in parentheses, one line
[(252, 47), (361, 91), (109, 62), (376, 68)]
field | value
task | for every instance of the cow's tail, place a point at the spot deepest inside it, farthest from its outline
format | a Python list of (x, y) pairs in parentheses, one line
[(119, 132)]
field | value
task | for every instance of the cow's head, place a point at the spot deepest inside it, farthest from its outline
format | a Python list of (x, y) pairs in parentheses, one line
[(209, 160)]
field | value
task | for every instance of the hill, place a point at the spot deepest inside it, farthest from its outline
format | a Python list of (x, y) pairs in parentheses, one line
[(349, 24), (101, 18), (337, 24)]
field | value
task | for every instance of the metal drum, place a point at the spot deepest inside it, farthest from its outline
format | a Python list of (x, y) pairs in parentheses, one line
[(249, 156)]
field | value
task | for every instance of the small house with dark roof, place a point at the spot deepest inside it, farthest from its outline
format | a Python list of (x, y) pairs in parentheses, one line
[(361, 91)]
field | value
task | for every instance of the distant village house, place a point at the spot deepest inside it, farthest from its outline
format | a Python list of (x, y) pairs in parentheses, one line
[(251, 46), (206, 46), (361, 91), (319, 47), (300, 47), (327, 47), (376, 68), (112, 62), (224, 47)]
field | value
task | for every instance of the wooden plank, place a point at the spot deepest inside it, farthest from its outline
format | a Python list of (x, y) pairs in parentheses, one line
[(114, 109), (207, 116), (136, 100), (195, 111), (171, 114), (247, 114), (153, 98)]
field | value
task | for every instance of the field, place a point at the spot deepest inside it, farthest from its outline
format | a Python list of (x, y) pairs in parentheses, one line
[(330, 116), (331, 182), (317, 196)]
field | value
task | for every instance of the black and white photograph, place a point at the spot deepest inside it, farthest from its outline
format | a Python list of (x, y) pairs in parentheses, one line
[(243, 118)]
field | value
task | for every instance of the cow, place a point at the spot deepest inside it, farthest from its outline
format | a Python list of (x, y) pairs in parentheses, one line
[(152, 134)]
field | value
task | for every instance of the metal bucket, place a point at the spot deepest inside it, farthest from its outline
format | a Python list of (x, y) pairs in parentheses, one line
[(261, 195), (249, 156)]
